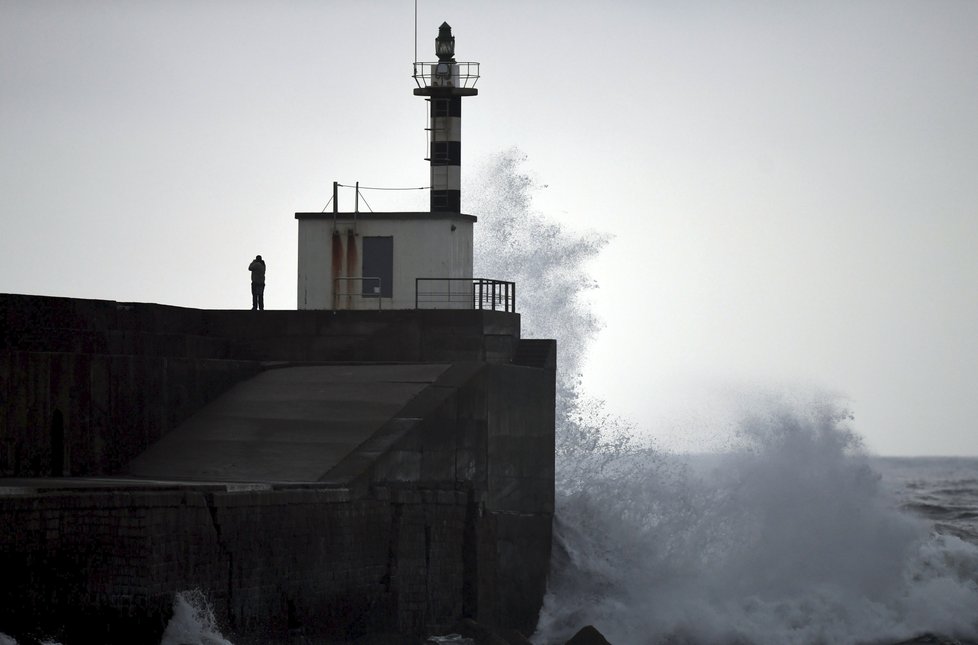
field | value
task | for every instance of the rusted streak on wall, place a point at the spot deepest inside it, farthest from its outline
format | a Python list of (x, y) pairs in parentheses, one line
[(337, 266)]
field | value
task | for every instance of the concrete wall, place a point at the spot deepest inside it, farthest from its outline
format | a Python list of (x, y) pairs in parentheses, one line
[(408, 336), (487, 429), (89, 414), (68, 325), (275, 564), (426, 245), (446, 512), (520, 492), (86, 385)]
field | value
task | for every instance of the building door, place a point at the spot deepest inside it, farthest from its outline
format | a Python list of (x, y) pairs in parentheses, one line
[(378, 262)]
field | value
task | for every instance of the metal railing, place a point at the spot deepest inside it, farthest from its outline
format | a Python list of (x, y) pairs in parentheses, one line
[(464, 293), (447, 75), (358, 294)]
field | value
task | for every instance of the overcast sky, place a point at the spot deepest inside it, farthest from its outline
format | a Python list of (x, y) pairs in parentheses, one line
[(792, 187)]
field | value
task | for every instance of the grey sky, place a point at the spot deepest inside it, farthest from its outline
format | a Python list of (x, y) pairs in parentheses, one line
[(792, 187)]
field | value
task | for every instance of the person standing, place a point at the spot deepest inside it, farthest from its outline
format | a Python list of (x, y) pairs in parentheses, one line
[(257, 268)]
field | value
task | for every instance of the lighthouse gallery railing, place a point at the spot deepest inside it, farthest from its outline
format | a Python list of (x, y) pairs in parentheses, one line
[(461, 74)]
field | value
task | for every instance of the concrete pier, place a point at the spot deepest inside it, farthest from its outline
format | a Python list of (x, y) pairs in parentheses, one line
[(316, 474)]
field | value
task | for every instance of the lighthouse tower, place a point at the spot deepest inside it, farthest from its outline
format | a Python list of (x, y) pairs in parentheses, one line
[(445, 82)]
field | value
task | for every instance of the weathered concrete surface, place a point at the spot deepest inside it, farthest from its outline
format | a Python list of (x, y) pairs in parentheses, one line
[(435, 491), (286, 424), (87, 385), (70, 325), (80, 414)]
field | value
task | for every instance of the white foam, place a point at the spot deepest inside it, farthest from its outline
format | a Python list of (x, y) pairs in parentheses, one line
[(193, 622), (786, 538)]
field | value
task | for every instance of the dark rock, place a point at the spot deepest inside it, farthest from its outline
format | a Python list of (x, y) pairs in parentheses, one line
[(588, 635)]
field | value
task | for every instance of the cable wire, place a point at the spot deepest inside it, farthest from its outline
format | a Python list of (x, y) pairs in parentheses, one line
[(366, 203), (327, 205), (382, 188)]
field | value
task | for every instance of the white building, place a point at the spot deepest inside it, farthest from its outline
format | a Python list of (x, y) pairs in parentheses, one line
[(385, 260)]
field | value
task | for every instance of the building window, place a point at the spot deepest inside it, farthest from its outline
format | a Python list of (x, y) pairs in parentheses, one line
[(378, 262)]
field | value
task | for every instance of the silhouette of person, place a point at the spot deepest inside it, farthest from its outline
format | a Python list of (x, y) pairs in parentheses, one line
[(257, 268)]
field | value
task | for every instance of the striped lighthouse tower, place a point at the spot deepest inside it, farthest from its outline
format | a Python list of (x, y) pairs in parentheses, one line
[(444, 83)]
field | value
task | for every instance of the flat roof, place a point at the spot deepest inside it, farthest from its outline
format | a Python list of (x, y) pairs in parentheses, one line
[(423, 215)]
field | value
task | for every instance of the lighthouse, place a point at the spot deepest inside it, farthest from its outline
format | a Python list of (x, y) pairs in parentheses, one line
[(406, 260), (444, 83)]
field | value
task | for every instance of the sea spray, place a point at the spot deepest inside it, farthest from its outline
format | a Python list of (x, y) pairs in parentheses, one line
[(786, 536), (193, 621), (546, 260)]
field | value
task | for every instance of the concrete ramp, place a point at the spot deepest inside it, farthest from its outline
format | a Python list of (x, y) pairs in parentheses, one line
[(288, 424)]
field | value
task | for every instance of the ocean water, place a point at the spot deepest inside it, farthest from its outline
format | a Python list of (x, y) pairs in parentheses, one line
[(792, 535), (944, 490)]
